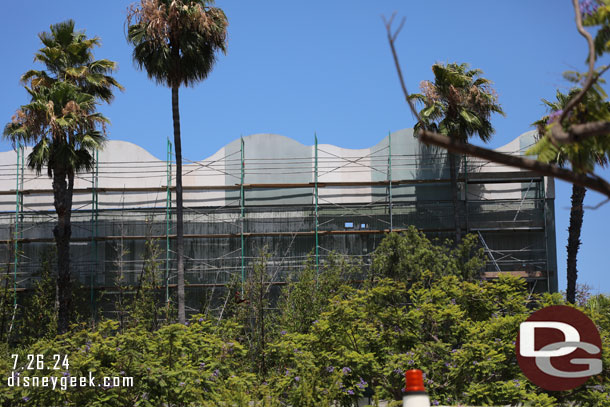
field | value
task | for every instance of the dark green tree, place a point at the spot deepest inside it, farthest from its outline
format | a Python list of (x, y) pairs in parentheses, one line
[(176, 42), (405, 256), (39, 317), (307, 293), (145, 310)]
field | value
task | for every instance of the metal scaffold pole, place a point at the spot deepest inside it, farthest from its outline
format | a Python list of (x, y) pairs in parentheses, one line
[(168, 206), (242, 200), (390, 179), (94, 215), (466, 192), (21, 188), (316, 195), (542, 194), (18, 206)]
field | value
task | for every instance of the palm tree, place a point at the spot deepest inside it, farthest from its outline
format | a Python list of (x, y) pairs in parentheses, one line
[(459, 104), (67, 56), (582, 156), (61, 123), (64, 128), (176, 42)]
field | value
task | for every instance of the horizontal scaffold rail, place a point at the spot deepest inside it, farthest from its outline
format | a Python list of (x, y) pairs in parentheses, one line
[(521, 176), (488, 275), (254, 234), (503, 177)]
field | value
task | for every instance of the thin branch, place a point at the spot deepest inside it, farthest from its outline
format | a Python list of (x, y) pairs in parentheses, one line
[(578, 132), (391, 39), (591, 74), (594, 183), (397, 31)]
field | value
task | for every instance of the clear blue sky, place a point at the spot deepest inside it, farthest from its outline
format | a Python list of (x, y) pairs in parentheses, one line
[(295, 68)]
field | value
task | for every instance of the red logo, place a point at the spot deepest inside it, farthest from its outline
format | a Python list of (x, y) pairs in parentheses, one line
[(559, 348)]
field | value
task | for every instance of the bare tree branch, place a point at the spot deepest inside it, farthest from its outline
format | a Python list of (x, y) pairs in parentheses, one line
[(591, 74), (593, 182), (580, 131), (391, 39)]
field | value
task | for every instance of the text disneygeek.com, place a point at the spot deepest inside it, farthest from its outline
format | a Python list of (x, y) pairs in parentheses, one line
[(65, 382)]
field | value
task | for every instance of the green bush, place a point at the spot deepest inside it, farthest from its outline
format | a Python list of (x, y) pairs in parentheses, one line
[(331, 342)]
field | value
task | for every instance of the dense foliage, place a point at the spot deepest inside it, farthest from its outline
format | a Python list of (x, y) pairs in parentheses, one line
[(332, 336)]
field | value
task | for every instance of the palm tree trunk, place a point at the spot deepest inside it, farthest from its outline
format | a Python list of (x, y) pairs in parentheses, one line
[(63, 184), (454, 197), (576, 217), (179, 209)]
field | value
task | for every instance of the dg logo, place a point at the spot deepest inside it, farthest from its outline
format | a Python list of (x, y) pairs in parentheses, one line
[(559, 348)]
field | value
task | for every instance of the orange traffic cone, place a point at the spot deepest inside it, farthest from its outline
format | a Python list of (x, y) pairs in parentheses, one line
[(415, 392)]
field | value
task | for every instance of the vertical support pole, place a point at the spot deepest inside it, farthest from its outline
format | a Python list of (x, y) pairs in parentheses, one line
[(242, 202), (94, 215), (17, 220), (542, 192), (316, 196), (168, 205), (21, 183), (390, 179), (466, 192)]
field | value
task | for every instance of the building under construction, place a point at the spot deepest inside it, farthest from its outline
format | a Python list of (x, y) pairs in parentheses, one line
[(268, 191)]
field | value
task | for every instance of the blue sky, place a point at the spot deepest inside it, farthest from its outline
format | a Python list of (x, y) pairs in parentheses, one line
[(295, 68)]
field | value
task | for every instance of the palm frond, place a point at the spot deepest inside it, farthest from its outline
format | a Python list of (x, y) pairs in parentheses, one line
[(176, 42), (61, 121), (582, 156), (459, 102)]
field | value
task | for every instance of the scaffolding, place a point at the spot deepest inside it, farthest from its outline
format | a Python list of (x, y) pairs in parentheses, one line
[(271, 192)]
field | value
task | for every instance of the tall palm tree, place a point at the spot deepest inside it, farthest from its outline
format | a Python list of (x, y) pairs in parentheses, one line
[(459, 104), (64, 128), (61, 122), (176, 42), (582, 156)]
